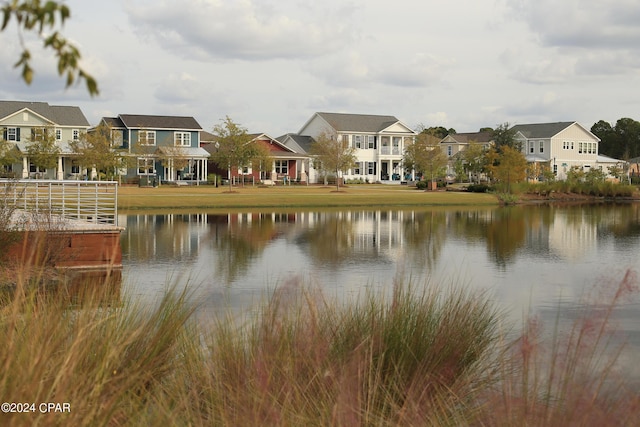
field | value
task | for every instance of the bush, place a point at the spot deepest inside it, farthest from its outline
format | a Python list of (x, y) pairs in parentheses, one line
[(478, 188), (421, 185)]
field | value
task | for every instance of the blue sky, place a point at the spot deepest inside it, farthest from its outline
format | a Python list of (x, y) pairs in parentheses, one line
[(270, 64)]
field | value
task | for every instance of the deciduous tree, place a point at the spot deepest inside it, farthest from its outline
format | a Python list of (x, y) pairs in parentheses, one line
[(42, 150), (425, 156), (233, 146), (504, 136), (43, 19), (97, 149), (334, 154), (508, 166)]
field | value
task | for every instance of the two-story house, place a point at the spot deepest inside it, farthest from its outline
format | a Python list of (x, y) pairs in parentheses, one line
[(166, 148), (562, 145), (24, 124), (379, 142), (454, 145)]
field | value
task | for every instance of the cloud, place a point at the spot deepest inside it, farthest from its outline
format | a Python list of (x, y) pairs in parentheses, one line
[(240, 29)]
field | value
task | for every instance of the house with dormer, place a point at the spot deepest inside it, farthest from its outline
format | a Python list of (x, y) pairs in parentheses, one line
[(561, 146), (379, 142), (26, 124), (164, 148)]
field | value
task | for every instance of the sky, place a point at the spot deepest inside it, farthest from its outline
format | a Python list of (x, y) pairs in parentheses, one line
[(270, 64)]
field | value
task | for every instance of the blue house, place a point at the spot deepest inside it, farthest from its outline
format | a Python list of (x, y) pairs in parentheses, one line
[(166, 148)]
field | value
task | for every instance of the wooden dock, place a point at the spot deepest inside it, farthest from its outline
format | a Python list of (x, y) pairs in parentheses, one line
[(64, 224)]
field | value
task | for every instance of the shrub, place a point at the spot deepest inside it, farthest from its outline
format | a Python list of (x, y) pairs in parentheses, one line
[(478, 188), (421, 185)]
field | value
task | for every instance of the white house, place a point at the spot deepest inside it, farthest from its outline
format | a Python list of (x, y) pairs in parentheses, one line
[(455, 144), (24, 122), (379, 142), (562, 145)]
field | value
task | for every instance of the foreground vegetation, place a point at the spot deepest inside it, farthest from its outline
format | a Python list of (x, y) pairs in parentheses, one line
[(414, 357)]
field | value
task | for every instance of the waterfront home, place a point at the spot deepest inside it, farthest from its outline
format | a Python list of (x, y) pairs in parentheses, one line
[(30, 127), (561, 146), (162, 148), (379, 142)]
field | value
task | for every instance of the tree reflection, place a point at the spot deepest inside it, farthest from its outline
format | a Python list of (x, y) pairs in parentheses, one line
[(237, 244), (425, 234), (331, 240), (505, 234)]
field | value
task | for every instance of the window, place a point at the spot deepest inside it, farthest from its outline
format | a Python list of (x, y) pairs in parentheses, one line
[(531, 149), (371, 142), (580, 147), (555, 169), (396, 145), (357, 141), (357, 169), (344, 138), (147, 137), (282, 167), (371, 168), (449, 150), (182, 139), (38, 134), (116, 138), (58, 134), (13, 134), (542, 146), (145, 166), (76, 134), (75, 168)]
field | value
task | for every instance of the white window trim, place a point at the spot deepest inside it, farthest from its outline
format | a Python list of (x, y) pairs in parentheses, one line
[(146, 140), (182, 139)]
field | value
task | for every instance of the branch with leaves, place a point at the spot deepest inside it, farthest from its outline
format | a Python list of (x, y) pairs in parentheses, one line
[(39, 17)]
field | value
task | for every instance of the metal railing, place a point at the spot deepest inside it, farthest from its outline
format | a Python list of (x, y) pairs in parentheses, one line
[(94, 202)]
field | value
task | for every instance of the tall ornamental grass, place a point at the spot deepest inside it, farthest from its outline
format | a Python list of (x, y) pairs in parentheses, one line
[(419, 356)]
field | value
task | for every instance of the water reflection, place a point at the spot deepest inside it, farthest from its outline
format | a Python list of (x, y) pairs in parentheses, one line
[(249, 250)]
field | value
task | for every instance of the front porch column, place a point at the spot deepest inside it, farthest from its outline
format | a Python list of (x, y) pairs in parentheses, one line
[(25, 168), (60, 170), (303, 172)]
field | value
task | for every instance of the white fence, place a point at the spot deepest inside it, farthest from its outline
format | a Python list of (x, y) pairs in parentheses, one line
[(91, 201)]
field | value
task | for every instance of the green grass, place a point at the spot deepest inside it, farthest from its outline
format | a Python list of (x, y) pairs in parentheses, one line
[(131, 198)]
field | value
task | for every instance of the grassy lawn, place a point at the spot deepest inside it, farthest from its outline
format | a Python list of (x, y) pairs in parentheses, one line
[(133, 198)]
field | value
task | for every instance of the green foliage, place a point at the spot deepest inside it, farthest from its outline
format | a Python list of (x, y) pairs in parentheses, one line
[(507, 166), (425, 156), (504, 136), (42, 18), (333, 154), (42, 149), (234, 148), (96, 149), (621, 141), (478, 188), (421, 185)]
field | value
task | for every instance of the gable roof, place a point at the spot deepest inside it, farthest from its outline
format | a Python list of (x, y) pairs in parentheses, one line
[(139, 121), (58, 114), (466, 137), (113, 122), (541, 130), (343, 122), (300, 144)]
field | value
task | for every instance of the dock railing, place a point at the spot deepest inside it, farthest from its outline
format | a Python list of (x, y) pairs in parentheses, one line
[(91, 201)]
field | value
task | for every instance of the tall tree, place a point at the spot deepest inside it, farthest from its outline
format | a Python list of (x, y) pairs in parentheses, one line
[(474, 159), (42, 150), (425, 156), (621, 141), (507, 166), (233, 147), (8, 154), (334, 154), (97, 149), (43, 19), (438, 131), (504, 136)]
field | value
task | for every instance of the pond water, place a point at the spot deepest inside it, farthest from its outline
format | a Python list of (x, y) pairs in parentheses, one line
[(530, 259)]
